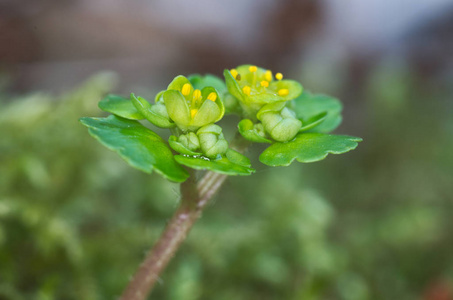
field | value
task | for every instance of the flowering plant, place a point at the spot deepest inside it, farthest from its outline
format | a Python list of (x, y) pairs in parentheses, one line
[(271, 109)]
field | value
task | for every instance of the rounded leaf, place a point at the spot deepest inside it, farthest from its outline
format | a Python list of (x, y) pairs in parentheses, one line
[(307, 147)]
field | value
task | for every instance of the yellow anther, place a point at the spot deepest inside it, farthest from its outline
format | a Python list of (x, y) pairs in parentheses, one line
[(283, 92), (234, 73), (253, 69), (186, 89), (264, 83), (246, 89), (196, 95), (212, 96), (279, 76), (268, 75), (193, 112)]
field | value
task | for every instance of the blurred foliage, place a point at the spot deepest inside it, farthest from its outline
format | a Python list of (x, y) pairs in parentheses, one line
[(75, 220)]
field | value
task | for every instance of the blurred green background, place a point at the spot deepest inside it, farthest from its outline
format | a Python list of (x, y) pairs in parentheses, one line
[(75, 220)]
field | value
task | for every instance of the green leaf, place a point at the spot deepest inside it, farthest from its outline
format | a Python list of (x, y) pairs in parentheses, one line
[(139, 146), (249, 132), (221, 165), (309, 105), (200, 82), (121, 107), (313, 121), (308, 147)]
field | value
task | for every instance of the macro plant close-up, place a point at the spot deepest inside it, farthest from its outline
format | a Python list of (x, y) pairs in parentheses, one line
[(271, 110), (219, 150)]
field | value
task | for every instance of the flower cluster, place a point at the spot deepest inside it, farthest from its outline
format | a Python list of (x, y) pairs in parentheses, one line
[(271, 110), (263, 98), (192, 112)]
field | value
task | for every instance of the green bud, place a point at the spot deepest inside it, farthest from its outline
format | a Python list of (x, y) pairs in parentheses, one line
[(188, 144), (212, 141), (282, 126), (190, 141)]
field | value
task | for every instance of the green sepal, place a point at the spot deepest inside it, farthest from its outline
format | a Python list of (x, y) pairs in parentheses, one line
[(178, 82), (221, 165), (120, 106), (156, 114), (232, 85), (137, 145), (200, 82), (271, 107), (307, 147), (179, 147), (177, 107), (159, 98), (249, 131), (309, 105), (209, 112), (313, 121)]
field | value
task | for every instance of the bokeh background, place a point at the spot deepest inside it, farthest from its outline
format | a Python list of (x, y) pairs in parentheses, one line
[(376, 223)]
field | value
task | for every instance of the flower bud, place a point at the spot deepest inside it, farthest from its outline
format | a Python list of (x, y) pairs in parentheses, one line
[(188, 144), (190, 141), (212, 141), (282, 125)]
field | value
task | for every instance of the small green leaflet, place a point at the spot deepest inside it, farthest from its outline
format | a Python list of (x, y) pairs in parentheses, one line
[(120, 106)]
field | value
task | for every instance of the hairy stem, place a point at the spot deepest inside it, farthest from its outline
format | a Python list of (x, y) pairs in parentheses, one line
[(194, 197)]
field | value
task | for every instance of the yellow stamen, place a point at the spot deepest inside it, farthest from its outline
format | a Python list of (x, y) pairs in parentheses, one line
[(186, 89), (193, 112), (253, 69), (264, 83), (196, 95), (234, 73), (212, 96), (279, 76), (268, 75), (283, 92), (246, 89)]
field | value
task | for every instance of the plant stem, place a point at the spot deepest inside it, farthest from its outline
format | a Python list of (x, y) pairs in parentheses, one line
[(194, 197)]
